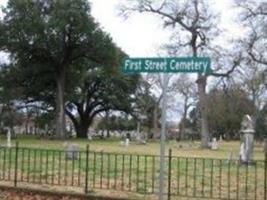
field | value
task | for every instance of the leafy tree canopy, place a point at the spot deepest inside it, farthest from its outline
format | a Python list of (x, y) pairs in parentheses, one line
[(47, 40), (226, 110)]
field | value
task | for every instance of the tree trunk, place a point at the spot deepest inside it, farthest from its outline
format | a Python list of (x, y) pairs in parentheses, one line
[(81, 123), (108, 122), (12, 123), (108, 134), (201, 83), (26, 127), (82, 130), (201, 86), (60, 105), (182, 124)]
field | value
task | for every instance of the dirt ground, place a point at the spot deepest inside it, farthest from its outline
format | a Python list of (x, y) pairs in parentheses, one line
[(19, 195), (14, 195), (24, 193)]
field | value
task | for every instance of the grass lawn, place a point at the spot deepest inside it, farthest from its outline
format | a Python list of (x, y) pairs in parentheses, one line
[(194, 171), (152, 148)]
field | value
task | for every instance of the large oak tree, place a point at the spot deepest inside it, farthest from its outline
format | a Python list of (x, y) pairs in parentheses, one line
[(52, 36)]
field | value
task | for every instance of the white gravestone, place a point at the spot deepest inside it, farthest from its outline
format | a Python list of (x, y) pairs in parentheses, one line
[(242, 152), (89, 136), (127, 142), (8, 144), (221, 139), (214, 144), (247, 140)]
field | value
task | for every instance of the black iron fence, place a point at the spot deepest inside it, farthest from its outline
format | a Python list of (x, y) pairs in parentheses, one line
[(188, 177)]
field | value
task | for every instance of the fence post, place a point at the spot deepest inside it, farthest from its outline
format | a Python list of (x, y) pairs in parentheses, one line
[(86, 168), (16, 164), (169, 174), (265, 169)]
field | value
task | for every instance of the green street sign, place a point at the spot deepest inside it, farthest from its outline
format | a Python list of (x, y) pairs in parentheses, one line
[(167, 65)]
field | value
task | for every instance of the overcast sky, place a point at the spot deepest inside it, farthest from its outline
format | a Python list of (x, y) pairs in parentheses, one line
[(142, 35)]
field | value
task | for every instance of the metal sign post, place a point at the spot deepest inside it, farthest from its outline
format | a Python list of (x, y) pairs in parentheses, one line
[(162, 138)]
